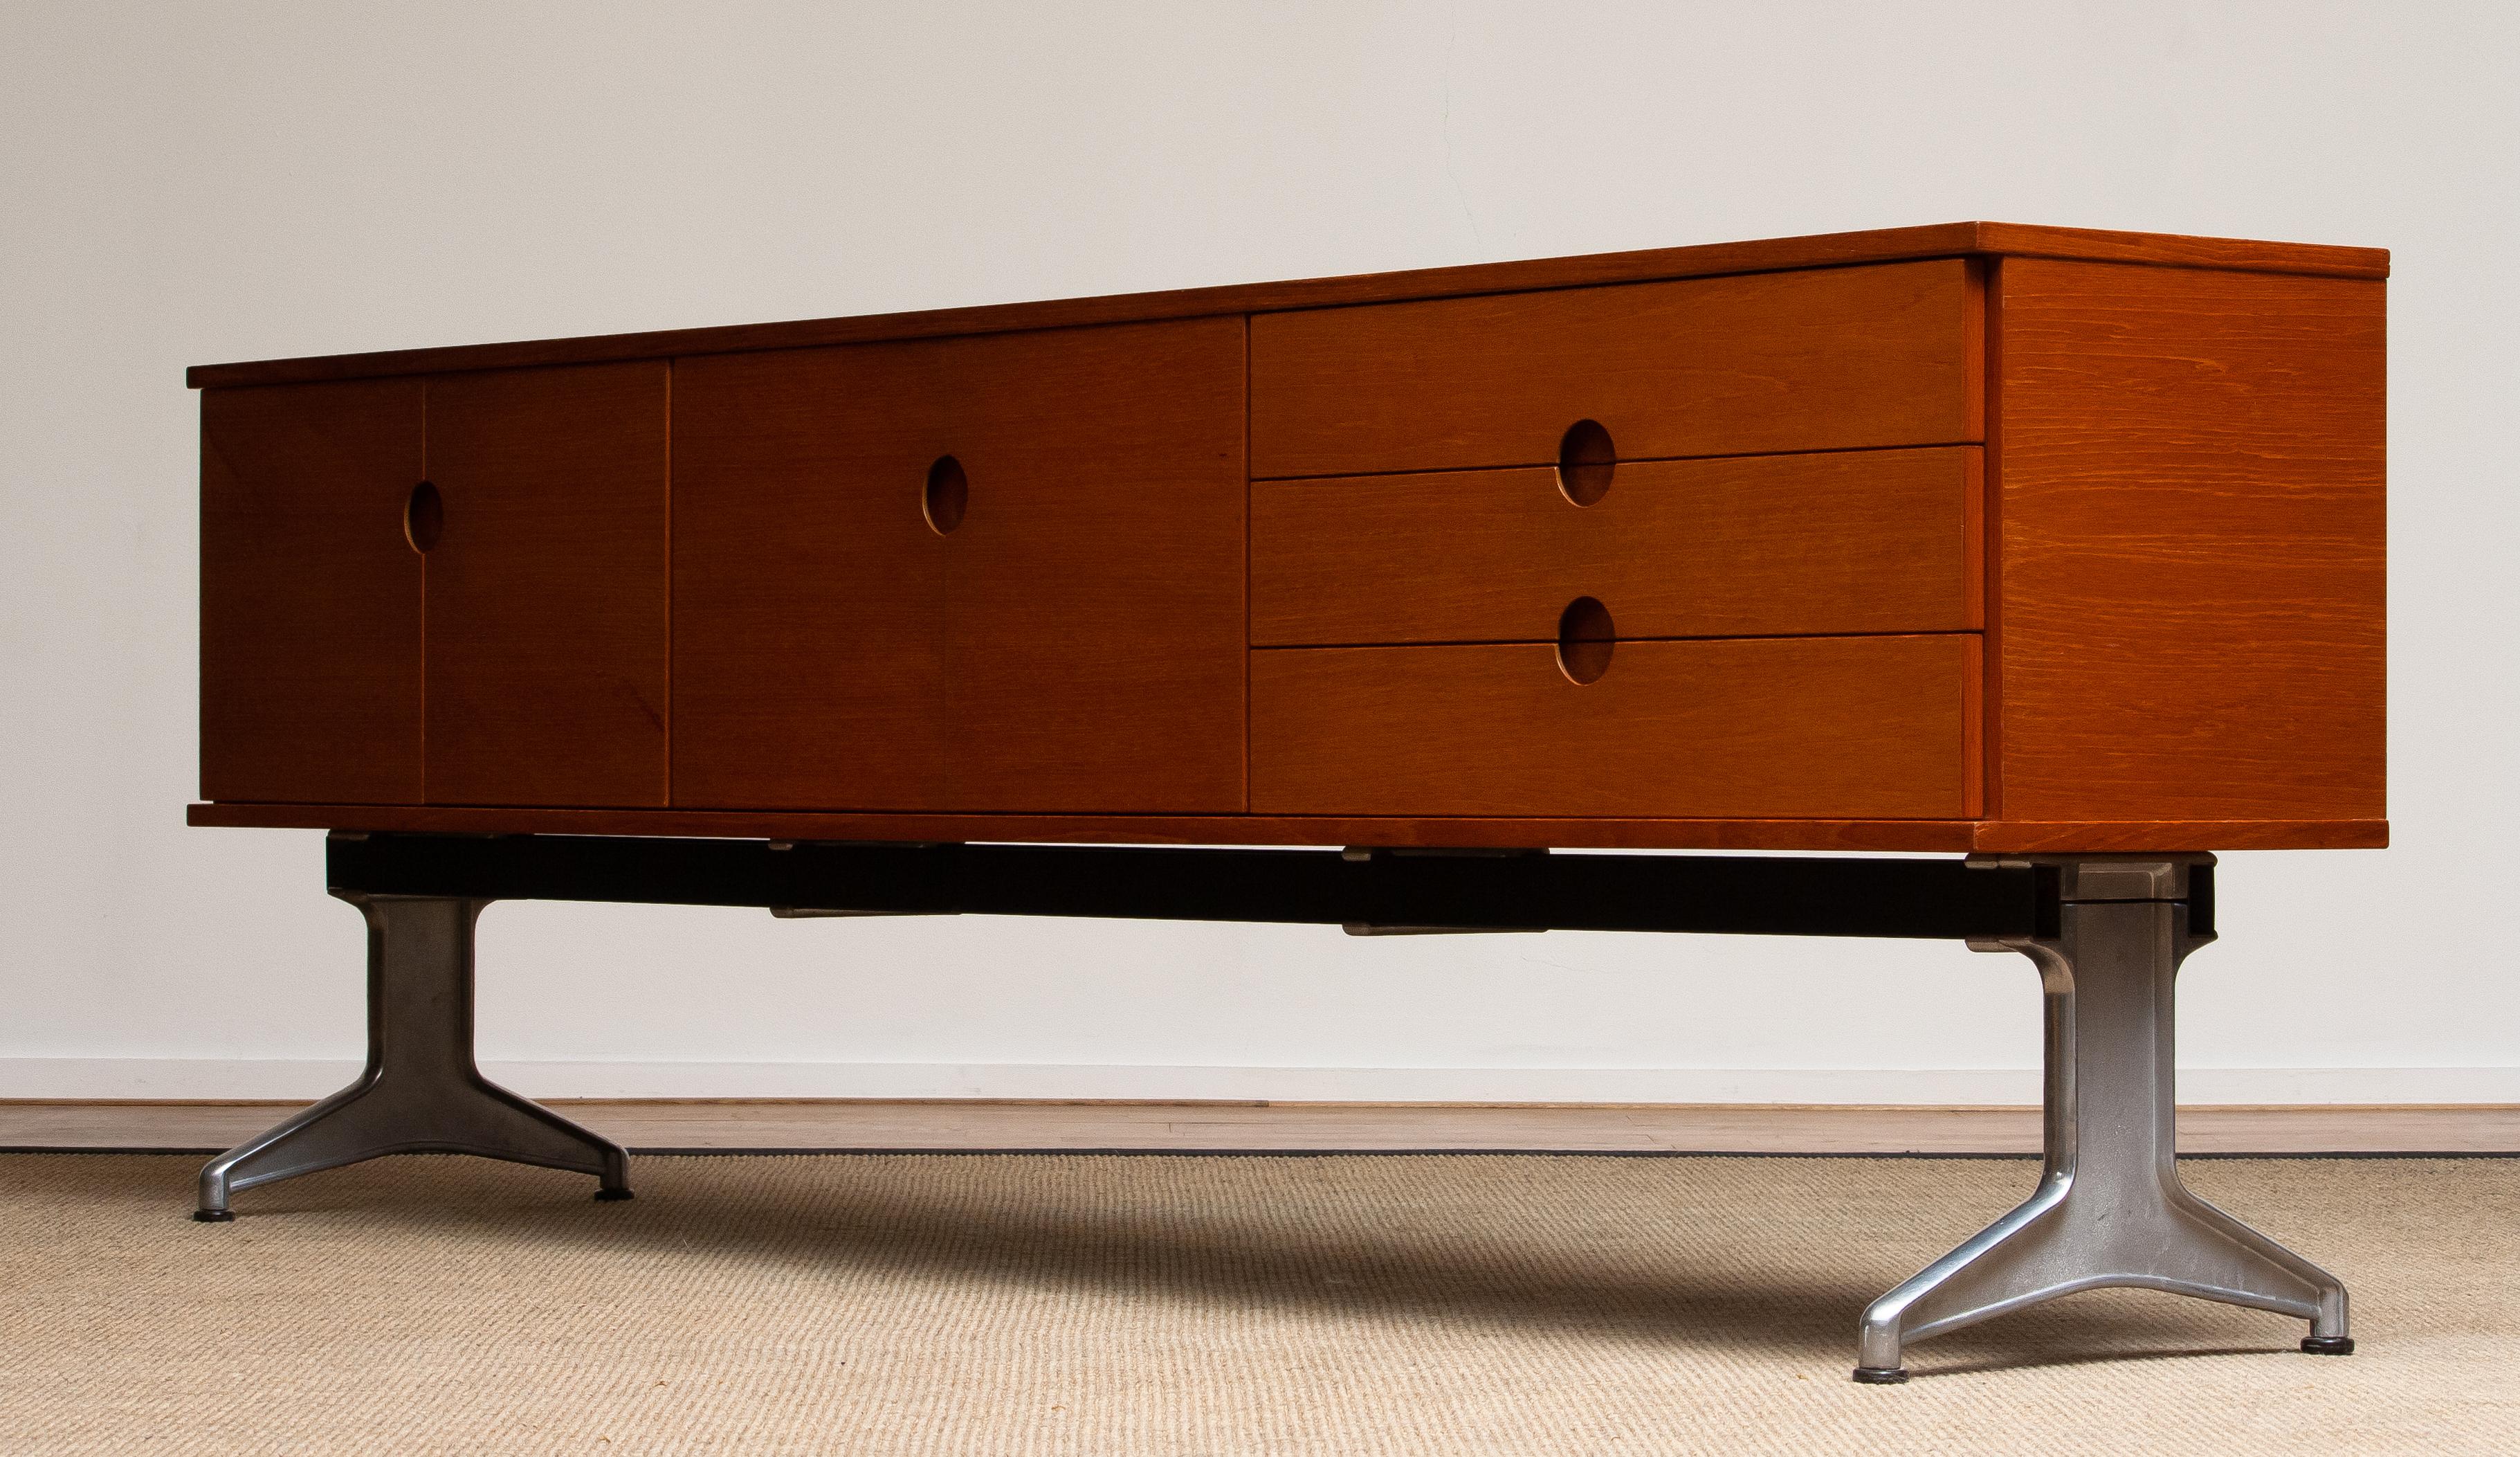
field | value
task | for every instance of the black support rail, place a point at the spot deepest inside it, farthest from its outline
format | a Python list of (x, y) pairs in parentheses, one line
[(1367, 891)]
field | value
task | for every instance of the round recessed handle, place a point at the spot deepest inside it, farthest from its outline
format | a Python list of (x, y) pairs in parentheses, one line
[(1586, 459), (949, 492), (1586, 638), (424, 518)]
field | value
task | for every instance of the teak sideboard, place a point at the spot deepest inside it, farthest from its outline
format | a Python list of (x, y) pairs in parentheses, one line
[(2061, 548)]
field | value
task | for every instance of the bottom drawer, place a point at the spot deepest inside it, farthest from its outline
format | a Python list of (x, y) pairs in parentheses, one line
[(1758, 728)]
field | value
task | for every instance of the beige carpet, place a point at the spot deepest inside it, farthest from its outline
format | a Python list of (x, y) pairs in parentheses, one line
[(1019, 1304)]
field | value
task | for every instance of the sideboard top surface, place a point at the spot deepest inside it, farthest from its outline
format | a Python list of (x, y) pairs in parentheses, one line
[(1827, 250)]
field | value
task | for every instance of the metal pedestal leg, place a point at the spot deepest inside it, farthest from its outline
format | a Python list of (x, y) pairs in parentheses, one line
[(421, 1092), (2110, 1210)]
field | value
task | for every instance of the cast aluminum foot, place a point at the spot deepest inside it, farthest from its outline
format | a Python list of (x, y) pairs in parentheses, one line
[(2110, 1210), (422, 1092)]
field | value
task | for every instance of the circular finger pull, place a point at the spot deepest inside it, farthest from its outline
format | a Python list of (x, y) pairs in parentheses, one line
[(949, 490), (1584, 459), (424, 518), (1586, 637)]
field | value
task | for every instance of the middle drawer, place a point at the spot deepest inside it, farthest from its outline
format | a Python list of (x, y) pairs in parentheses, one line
[(1868, 541)]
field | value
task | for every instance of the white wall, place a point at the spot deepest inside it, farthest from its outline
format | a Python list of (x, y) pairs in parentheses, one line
[(184, 184)]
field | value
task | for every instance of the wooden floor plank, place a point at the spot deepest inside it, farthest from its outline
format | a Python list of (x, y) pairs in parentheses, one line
[(1289, 1127)]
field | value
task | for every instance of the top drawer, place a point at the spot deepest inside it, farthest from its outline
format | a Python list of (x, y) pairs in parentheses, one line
[(1825, 359)]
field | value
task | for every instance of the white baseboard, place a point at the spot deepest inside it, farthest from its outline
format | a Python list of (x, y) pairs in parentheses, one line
[(184, 1079)]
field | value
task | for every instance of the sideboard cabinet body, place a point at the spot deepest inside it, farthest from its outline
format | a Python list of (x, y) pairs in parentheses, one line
[(1943, 538)]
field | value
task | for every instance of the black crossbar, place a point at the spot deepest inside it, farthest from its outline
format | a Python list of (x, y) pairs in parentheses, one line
[(1376, 891)]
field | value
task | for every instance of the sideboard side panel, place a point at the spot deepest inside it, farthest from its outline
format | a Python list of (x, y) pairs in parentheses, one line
[(2193, 517)]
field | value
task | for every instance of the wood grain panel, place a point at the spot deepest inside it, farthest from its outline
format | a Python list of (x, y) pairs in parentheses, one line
[(2193, 541), (1702, 261), (1771, 727), (1853, 542), (1075, 643), (547, 632), (1815, 360), (310, 595)]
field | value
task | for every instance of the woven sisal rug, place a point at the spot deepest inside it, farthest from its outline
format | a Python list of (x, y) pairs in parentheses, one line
[(1356, 1303)]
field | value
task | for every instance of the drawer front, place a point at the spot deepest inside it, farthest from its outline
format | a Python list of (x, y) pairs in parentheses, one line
[(1866, 727), (1854, 542), (1057, 625), (1825, 359)]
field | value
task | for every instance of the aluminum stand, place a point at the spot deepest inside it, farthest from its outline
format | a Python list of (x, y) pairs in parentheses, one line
[(2110, 1210), (2106, 933), (422, 1092)]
